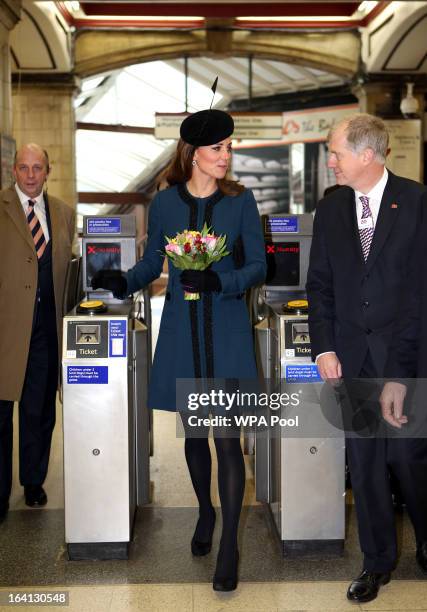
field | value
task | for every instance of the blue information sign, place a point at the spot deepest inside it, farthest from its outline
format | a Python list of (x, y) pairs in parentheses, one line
[(302, 373), (281, 225), (117, 338), (87, 375), (104, 225)]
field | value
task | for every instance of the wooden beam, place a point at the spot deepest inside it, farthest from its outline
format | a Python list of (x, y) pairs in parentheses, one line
[(106, 127)]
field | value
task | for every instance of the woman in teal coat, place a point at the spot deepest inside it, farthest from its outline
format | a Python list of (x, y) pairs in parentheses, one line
[(210, 337)]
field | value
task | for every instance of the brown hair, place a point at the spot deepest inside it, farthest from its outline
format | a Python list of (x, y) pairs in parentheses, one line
[(181, 168)]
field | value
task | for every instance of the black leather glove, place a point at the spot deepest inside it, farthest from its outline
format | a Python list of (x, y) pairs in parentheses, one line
[(198, 281), (111, 280)]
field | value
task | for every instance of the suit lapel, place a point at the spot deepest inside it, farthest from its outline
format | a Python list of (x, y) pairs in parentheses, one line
[(13, 208), (388, 213), (349, 220), (52, 220)]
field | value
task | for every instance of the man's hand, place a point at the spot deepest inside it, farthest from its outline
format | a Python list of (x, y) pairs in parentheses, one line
[(391, 400), (329, 367)]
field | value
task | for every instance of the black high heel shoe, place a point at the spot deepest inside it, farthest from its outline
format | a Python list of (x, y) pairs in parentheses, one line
[(229, 582), (198, 548)]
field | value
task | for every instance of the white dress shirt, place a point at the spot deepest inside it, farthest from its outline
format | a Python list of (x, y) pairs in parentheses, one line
[(375, 196), (39, 209)]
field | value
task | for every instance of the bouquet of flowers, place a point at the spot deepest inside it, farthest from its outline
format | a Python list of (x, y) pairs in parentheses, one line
[(190, 250)]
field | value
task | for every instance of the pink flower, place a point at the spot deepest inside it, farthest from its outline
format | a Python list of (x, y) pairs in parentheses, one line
[(173, 248), (211, 242)]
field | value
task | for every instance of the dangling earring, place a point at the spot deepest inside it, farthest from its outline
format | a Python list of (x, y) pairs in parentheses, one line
[(194, 163)]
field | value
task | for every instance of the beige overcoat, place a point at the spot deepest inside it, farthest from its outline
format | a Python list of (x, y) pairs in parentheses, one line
[(18, 283)]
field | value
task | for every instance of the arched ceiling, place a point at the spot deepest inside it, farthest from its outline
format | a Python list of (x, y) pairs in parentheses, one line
[(335, 52), (41, 40), (393, 33), (396, 41)]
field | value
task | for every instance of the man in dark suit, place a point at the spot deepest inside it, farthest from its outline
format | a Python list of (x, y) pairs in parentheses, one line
[(407, 360), (36, 235), (360, 261)]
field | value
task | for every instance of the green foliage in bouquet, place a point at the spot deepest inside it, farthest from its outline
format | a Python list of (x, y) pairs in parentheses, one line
[(192, 250)]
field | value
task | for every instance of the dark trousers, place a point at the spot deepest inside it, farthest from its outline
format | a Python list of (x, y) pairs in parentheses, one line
[(371, 460), (36, 415)]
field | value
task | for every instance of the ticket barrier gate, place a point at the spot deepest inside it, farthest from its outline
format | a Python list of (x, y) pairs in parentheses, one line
[(299, 470), (106, 423)]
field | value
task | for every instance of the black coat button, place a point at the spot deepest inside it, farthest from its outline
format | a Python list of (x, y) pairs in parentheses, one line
[(168, 295), (368, 331), (365, 304)]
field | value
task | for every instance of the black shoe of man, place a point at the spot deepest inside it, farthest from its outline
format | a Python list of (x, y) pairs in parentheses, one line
[(35, 495), (366, 586), (4, 508), (421, 556)]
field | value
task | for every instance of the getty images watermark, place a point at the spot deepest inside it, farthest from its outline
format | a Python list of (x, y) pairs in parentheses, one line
[(232, 402), (227, 405), (278, 408)]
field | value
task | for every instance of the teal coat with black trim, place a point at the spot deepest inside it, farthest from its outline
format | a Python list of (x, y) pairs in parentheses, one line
[(210, 337)]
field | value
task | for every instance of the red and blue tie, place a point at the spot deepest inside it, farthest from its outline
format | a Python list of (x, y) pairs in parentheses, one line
[(36, 229)]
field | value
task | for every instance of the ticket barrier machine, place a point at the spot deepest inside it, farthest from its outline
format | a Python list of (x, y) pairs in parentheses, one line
[(300, 466), (105, 418)]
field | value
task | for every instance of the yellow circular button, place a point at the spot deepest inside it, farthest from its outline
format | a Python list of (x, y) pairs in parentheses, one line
[(297, 304), (92, 304)]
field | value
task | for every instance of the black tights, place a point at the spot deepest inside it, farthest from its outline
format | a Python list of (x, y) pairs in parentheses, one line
[(231, 485)]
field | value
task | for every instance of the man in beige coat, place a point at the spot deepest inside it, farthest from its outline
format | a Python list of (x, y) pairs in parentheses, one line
[(36, 235)]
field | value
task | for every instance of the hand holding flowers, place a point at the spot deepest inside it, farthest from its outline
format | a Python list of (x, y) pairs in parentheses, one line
[(195, 281), (196, 251)]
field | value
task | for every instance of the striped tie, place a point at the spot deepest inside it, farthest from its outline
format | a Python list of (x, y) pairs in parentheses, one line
[(36, 229), (366, 234)]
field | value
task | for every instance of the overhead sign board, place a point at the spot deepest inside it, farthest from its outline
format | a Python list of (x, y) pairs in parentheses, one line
[(313, 125), (247, 126)]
